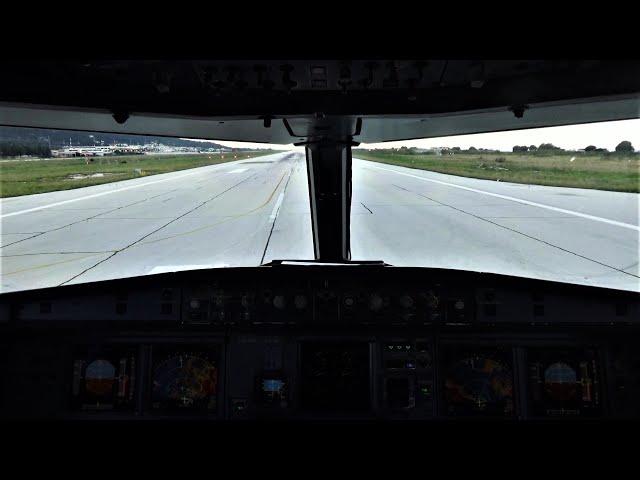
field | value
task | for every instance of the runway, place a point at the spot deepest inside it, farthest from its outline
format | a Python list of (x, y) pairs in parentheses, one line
[(249, 212)]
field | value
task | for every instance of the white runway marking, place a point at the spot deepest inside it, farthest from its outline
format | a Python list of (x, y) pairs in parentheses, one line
[(274, 212), (64, 202), (513, 199), (238, 170)]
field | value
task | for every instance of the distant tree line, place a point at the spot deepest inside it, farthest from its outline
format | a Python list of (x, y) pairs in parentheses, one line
[(543, 148), (623, 147), (16, 148), (64, 138)]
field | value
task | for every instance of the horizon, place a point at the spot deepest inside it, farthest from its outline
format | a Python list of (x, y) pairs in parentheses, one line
[(568, 137)]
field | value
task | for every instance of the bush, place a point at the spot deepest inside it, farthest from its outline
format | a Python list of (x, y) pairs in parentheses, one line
[(625, 147)]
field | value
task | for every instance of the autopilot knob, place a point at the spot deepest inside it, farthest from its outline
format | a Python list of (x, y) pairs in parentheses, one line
[(375, 302), (300, 301), (279, 302), (406, 301)]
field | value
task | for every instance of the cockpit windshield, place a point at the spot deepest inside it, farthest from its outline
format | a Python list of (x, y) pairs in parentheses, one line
[(558, 203)]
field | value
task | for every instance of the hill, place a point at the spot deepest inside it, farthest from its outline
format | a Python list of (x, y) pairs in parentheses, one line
[(63, 138)]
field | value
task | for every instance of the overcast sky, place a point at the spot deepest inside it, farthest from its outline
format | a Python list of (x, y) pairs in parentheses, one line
[(602, 135)]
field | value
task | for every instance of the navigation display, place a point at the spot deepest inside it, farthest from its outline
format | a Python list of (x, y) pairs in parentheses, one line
[(185, 379), (272, 390), (335, 377), (104, 378), (564, 382), (479, 381)]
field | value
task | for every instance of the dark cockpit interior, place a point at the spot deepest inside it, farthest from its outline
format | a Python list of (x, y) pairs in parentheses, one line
[(330, 337)]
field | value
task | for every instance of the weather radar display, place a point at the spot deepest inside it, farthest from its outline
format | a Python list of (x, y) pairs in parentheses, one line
[(185, 380), (479, 382)]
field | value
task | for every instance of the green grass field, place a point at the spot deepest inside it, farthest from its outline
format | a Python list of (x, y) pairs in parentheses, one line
[(25, 177), (601, 172)]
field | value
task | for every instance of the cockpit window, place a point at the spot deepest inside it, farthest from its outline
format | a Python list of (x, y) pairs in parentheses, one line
[(81, 207), (557, 203)]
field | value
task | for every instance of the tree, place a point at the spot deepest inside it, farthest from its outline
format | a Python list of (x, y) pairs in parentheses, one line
[(548, 149), (11, 148), (532, 148), (472, 149), (548, 146), (625, 147), (590, 148), (518, 148)]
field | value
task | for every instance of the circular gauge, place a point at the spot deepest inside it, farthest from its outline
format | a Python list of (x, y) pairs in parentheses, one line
[(375, 302), (300, 301), (406, 301), (279, 302), (432, 300), (194, 304), (99, 377)]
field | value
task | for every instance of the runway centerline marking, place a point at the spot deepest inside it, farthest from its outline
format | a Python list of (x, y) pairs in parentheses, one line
[(514, 199), (276, 207)]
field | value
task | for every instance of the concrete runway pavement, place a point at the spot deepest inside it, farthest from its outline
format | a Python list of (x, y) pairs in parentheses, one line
[(252, 211)]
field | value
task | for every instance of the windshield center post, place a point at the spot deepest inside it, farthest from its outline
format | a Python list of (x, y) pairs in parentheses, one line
[(329, 176)]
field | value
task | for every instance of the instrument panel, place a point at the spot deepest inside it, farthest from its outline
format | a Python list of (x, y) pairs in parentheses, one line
[(248, 377), (321, 296), (321, 343)]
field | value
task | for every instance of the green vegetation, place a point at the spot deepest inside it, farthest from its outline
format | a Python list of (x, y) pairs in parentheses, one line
[(24, 177), (601, 171), (16, 148), (68, 138)]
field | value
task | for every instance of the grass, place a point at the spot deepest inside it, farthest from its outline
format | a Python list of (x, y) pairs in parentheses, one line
[(595, 171), (26, 177)]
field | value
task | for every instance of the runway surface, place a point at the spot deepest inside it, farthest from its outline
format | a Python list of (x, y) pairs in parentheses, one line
[(249, 212)]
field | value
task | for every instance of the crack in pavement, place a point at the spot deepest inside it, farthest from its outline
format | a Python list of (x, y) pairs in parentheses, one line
[(46, 265), (275, 218), (518, 232), (158, 229), (366, 207), (51, 253), (84, 219)]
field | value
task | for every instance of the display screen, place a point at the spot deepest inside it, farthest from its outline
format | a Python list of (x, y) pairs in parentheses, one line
[(479, 381), (564, 382), (626, 379), (273, 390), (185, 379), (104, 378), (335, 377), (399, 393)]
